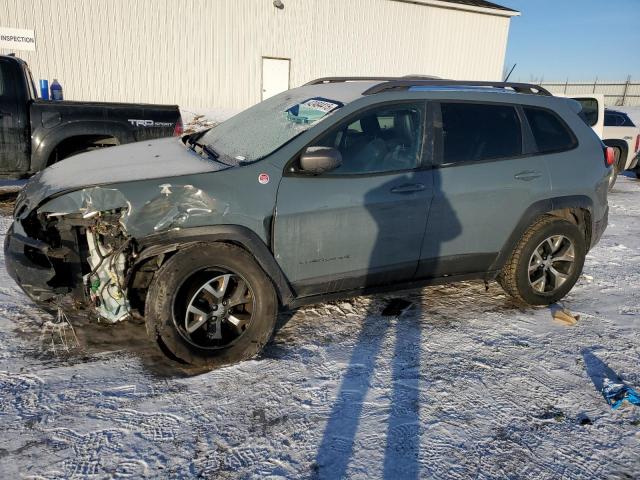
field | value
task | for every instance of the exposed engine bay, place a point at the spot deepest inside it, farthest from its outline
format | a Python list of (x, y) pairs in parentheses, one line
[(90, 254), (105, 283)]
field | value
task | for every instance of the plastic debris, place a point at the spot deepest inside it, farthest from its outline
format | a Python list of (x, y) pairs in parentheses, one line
[(616, 393), (60, 333), (565, 316)]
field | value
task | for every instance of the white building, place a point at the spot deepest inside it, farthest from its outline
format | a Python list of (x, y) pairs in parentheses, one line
[(231, 53)]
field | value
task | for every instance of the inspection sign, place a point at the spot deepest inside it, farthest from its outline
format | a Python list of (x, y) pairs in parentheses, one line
[(17, 39)]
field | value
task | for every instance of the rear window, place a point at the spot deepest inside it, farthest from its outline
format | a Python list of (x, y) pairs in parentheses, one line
[(474, 132), (5, 72), (550, 133), (589, 111)]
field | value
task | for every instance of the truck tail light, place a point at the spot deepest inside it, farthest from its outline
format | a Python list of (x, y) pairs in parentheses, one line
[(609, 156), (178, 129), (637, 144)]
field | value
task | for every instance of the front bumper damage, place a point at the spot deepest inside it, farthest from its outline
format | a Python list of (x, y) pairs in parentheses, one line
[(81, 257), (28, 263), (82, 245)]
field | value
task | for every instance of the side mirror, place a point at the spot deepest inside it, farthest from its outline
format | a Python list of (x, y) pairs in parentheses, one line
[(320, 159)]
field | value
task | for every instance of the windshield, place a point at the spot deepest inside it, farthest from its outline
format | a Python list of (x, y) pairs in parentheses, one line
[(260, 130)]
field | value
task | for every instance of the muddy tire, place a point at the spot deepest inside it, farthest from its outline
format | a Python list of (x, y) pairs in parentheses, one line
[(546, 262), (211, 305)]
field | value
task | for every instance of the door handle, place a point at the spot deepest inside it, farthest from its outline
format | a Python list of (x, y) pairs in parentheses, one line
[(527, 175), (408, 188)]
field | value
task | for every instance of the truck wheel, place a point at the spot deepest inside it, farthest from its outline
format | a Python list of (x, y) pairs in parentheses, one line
[(211, 305), (546, 263)]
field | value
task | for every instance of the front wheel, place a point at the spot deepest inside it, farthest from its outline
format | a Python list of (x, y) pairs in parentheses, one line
[(211, 305), (546, 263)]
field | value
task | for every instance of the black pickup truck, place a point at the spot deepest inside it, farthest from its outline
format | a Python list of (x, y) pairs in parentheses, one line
[(36, 133)]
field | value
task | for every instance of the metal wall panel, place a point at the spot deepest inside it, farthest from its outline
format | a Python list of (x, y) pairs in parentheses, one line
[(207, 53)]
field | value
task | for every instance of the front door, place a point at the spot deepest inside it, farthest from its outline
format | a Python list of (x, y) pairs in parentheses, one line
[(275, 76), (361, 224)]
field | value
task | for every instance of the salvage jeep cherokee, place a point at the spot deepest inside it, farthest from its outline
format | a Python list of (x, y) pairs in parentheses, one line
[(339, 187)]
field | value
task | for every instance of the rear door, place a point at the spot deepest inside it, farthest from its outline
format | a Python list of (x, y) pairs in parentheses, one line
[(484, 180), (13, 119), (361, 224)]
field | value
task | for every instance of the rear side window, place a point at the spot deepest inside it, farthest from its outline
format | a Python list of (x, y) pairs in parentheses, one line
[(550, 133), (474, 132), (617, 119)]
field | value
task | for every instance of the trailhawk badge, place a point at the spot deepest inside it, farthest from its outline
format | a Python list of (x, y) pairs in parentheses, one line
[(263, 178)]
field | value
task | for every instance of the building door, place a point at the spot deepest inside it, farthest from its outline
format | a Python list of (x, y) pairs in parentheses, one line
[(275, 76)]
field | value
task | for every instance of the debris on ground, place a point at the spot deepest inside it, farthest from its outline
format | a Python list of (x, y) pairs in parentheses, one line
[(564, 316), (58, 335), (616, 393)]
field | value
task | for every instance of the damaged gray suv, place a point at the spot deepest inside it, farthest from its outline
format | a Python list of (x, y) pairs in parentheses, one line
[(340, 187)]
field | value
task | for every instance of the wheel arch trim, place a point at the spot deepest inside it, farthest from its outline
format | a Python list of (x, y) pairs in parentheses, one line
[(166, 242), (537, 209)]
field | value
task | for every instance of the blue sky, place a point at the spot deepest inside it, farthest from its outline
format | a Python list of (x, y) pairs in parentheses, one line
[(578, 39)]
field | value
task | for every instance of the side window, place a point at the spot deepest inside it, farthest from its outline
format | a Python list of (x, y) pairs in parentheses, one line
[(384, 139), (550, 133), (474, 132)]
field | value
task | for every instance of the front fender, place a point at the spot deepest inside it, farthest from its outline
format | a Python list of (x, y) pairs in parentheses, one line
[(170, 241)]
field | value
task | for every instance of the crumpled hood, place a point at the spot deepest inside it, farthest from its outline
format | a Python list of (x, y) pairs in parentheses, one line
[(167, 157)]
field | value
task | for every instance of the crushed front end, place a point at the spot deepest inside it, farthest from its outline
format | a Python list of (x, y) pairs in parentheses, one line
[(79, 253)]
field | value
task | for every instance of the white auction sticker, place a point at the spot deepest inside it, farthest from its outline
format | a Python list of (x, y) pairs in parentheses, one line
[(263, 178)]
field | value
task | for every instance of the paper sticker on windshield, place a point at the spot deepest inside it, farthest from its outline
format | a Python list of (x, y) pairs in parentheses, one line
[(312, 110)]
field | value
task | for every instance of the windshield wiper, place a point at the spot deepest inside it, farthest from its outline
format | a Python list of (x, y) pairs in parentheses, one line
[(199, 147)]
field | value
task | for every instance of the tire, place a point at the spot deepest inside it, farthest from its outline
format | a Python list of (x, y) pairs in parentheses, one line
[(616, 167), (198, 279), (515, 276)]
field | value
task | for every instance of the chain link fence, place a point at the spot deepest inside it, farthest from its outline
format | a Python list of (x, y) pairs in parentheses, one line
[(625, 93)]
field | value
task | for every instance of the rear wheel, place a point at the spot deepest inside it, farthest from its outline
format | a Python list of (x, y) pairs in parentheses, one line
[(211, 305), (546, 263)]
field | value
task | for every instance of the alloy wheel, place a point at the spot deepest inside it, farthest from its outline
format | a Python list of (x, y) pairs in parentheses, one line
[(217, 312), (551, 263)]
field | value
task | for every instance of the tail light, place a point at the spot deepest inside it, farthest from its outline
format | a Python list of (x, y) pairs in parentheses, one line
[(637, 144), (178, 129), (609, 156)]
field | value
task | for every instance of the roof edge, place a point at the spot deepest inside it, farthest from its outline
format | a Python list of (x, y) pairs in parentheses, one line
[(465, 8)]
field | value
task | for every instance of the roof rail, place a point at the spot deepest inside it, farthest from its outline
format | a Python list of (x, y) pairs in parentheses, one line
[(319, 81), (402, 84)]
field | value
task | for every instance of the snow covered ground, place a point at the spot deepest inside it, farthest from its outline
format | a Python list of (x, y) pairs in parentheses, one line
[(461, 384)]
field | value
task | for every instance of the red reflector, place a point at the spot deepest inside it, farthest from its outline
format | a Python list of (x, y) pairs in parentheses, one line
[(609, 156), (637, 144), (178, 130)]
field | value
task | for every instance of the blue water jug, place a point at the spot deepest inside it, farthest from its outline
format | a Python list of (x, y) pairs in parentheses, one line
[(56, 90)]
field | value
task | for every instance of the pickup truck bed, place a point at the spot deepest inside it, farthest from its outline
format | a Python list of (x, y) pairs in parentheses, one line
[(36, 133)]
